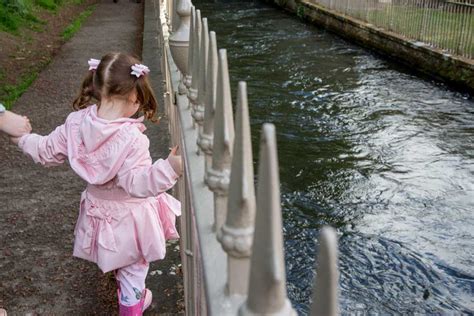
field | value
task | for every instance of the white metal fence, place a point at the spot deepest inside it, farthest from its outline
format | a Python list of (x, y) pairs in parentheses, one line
[(444, 24), (231, 238)]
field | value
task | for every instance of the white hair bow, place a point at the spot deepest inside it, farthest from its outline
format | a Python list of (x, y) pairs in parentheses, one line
[(139, 70), (93, 63)]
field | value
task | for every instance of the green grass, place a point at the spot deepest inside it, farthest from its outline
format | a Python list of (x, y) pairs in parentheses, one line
[(15, 14), (9, 22), (443, 29), (51, 5), (11, 19), (10, 93), (76, 24)]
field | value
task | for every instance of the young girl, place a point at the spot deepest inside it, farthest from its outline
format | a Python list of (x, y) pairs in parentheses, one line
[(125, 215)]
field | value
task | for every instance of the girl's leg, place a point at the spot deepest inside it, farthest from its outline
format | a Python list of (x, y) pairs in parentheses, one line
[(131, 281)]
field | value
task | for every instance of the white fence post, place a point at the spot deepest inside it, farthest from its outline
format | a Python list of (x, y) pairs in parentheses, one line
[(198, 110), (206, 138), (267, 286), (193, 90), (179, 42), (175, 20), (219, 174), (237, 233), (325, 290), (189, 74)]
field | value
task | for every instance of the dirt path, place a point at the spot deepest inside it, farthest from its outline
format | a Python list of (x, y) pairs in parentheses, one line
[(38, 206)]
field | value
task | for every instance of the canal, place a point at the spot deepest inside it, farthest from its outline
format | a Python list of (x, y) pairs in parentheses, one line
[(368, 147)]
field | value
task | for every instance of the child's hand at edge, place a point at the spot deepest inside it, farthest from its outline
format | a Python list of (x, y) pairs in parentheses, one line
[(14, 124), (176, 161)]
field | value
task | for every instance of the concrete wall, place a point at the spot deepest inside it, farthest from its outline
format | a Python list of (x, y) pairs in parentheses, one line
[(458, 72)]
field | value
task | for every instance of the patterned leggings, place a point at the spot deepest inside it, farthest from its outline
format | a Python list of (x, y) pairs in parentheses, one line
[(132, 282)]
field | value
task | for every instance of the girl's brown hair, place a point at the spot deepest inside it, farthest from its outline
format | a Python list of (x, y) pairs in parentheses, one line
[(113, 78)]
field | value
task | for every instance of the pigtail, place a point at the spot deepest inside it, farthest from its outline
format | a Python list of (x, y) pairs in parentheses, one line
[(86, 93), (147, 99)]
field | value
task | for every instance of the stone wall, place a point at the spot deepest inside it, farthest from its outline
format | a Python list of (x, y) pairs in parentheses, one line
[(455, 71)]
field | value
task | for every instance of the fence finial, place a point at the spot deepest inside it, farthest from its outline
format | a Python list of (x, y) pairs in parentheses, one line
[(207, 136), (237, 233), (325, 291), (179, 41), (267, 286), (198, 113), (219, 175), (193, 90), (189, 74)]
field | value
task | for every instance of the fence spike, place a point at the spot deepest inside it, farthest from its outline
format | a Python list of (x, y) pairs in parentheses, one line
[(193, 90), (325, 295), (206, 139), (219, 175), (189, 74), (237, 233), (267, 285), (198, 113)]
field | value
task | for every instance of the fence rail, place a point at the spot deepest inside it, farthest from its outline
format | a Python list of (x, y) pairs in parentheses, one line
[(231, 237), (444, 24)]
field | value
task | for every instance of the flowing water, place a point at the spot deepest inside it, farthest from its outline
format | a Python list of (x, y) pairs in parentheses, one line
[(365, 146)]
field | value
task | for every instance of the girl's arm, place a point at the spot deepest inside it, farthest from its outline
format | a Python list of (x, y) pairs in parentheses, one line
[(139, 178), (50, 150)]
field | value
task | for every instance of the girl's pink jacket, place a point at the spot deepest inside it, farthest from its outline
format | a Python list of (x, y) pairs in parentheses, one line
[(125, 214)]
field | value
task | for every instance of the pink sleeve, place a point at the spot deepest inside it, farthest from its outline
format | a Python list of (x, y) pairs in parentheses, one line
[(48, 150), (139, 178)]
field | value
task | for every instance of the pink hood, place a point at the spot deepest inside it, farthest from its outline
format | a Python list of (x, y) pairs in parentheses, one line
[(96, 132), (97, 147)]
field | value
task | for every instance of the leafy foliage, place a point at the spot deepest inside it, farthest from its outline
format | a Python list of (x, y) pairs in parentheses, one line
[(18, 13)]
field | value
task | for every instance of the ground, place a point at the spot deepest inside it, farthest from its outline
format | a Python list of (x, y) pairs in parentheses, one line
[(38, 206), (26, 53)]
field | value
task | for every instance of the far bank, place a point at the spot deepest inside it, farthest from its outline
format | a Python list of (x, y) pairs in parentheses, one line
[(456, 71)]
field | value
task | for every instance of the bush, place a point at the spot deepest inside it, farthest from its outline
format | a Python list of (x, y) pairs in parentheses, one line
[(8, 21), (15, 13), (20, 7)]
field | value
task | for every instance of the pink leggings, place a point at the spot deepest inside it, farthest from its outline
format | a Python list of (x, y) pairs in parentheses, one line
[(132, 282)]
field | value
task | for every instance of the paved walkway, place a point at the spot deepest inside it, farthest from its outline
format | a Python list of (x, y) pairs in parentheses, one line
[(38, 206)]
